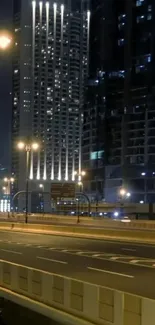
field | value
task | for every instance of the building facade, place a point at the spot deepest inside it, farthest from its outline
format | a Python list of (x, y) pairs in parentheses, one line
[(50, 68), (126, 109)]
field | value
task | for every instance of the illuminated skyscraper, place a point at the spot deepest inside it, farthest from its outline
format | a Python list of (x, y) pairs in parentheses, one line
[(49, 73)]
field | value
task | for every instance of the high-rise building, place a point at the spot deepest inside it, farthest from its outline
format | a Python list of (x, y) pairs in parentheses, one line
[(50, 68), (119, 138)]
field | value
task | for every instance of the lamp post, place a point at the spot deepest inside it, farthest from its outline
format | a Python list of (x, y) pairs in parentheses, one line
[(124, 194), (41, 186), (80, 176), (27, 147)]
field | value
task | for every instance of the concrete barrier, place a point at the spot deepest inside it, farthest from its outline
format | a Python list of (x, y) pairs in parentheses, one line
[(141, 236), (85, 221), (85, 301)]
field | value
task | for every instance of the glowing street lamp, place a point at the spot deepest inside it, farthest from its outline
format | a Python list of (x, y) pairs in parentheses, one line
[(27, 147), (79, 175), (5, 41), (124, 194)]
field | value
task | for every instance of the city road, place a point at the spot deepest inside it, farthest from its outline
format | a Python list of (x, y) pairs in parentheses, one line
[(123, 266)]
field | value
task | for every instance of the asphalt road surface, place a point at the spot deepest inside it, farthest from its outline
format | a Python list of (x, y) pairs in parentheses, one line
[(123, 266)]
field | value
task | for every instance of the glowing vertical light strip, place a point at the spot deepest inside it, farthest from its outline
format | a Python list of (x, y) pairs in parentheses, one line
[(41, 14), (31, 166), (32, 74), (41, 9), (38, 167), (60, 114), (33, 33), (47, 32), (45, 167), (53, 128), (73, 155), (88, 32)]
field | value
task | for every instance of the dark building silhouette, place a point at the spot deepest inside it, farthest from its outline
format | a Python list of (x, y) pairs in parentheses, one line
[(119, 112)]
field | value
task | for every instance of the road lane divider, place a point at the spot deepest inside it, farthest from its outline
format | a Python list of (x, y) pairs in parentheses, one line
[(110, 272), (51, 260), (10, 251), (128, 249)]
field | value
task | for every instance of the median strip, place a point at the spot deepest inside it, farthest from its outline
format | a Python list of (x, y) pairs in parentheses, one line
[(109, 272), (51, 260)]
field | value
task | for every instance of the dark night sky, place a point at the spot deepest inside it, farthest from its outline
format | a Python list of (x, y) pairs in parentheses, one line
[(5, 87)]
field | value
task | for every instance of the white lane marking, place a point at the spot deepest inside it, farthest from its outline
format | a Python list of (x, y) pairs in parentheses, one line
[(50, 260), (129, 249), (40, 246), (113, 273), (134, 261), (9, 251), (114, 258), (79, 253), (64, 250), (96, 255)]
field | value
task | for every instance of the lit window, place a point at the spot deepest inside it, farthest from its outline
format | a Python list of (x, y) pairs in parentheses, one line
[(148, 58), (96, 155), (121, 41), (139, 3), (149, 16), (140, 18), (121, 25)]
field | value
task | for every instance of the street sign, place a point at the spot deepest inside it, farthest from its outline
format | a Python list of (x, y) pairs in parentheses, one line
[(62, 190)]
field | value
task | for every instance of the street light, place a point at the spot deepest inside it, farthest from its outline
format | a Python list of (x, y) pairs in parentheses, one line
[(27, 147), (80, 175), (124, 194), (5, 41)]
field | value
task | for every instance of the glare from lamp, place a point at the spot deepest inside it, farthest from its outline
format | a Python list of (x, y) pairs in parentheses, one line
[(122, 192), (35, 146), (5, 41), (21, 145)]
